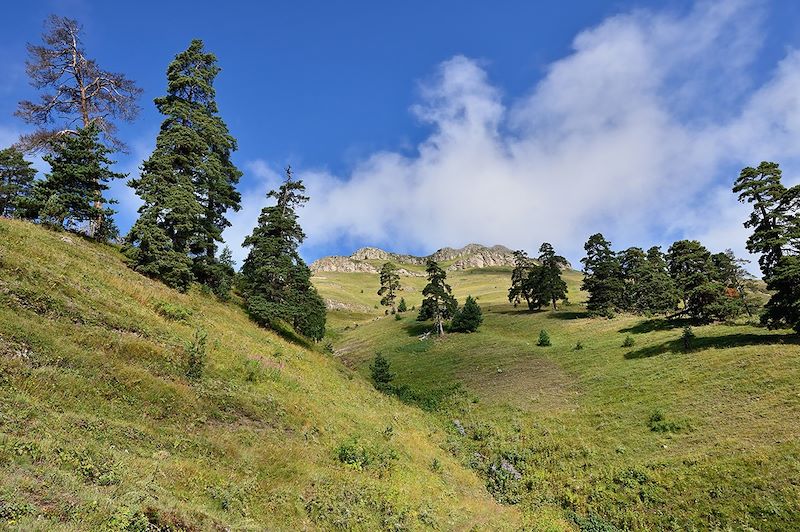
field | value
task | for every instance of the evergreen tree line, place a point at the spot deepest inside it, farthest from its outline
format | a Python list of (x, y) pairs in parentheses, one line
[(687, 280), (187, 185)]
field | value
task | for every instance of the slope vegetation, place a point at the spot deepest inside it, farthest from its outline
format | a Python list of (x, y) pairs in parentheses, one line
[(100, 428), (645, 437)]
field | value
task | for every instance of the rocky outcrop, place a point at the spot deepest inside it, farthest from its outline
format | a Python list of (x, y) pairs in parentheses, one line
[(342, 264), (469, 257)]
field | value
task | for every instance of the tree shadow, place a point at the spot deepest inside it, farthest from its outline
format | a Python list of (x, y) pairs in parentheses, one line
[(714, 342), (568, 315), (519, 311), (417, 328), (657, 324)]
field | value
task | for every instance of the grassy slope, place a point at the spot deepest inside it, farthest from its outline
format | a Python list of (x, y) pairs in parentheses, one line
[(100, 429), (575, 423)]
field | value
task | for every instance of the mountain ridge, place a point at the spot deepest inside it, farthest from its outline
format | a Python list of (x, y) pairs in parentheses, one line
[(467, 257)]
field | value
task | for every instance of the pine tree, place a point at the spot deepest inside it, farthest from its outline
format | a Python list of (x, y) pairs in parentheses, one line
[(775, 221), (402, 307), (704, 296), (390, 285), (382, 376), (548, 286), (520, 275), (276, 283), (223, 275), (439, 304), (656, 292), (71, 195), (602, 277), (468, 318), (16, 182), (188, 182), (633, 264), (74, 89)]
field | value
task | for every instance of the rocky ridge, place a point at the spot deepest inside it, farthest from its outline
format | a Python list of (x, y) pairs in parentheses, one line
[(469, 257)]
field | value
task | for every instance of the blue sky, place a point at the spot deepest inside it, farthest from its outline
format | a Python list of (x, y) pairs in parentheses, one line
[(418, 125)]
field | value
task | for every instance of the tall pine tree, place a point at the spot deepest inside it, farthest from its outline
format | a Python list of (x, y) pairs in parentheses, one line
[(390, 285), (439, 304), (602, 276), (71, 195), (16, 182), (520, 275), (775, 221), (549, 286), (188, 183), (276, 283)]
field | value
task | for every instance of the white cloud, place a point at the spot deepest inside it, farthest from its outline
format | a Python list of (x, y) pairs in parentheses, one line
[(638, 133)]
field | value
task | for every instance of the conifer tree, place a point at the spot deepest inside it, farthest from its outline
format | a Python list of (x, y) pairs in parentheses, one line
[(656, 291), (698, 284), (775, 221), (520, 275), (390, 285), (468, 318), (276, 282), (402, 307), (70, 195), (548, 286), (16, 182), (439, 304), (74, 89), (602, 276), (188, 182), (382, 376)]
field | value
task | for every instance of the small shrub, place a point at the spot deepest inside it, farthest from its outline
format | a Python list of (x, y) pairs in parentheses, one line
[(544, 339), (173, 311), (436, 465), (578, 346), (397, 317), (687, 337), (328, 348), (629, 341), (402, 307), (360, 457), (196, 355), (658, 422), (253, 371)]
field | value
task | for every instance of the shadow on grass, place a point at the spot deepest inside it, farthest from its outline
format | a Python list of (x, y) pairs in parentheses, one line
[(417, 328), (549, 312), (568, 315), (657, 324), (714, 342)]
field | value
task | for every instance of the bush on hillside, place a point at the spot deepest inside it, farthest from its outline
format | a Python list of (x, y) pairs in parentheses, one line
[(196, 354), (629, 341), (544, 339)]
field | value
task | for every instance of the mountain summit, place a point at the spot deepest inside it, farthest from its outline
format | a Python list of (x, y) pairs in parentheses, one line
[(468, 257)]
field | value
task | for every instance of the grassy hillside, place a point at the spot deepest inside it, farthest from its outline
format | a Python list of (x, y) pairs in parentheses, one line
[(100, 429), (640, 437)]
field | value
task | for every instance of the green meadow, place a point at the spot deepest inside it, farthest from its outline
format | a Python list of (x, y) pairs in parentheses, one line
[(101, 429), (651, 436)]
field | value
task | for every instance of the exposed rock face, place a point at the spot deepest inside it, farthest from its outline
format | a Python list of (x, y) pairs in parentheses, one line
[(342, 264), (468, 257)]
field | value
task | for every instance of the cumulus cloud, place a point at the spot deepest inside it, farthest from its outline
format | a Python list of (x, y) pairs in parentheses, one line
[(637, 133)]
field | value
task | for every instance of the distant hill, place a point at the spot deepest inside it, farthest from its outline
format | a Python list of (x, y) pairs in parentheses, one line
[(369, 259)]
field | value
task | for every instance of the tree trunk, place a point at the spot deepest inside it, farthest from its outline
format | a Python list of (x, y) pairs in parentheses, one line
[(554, 304)]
